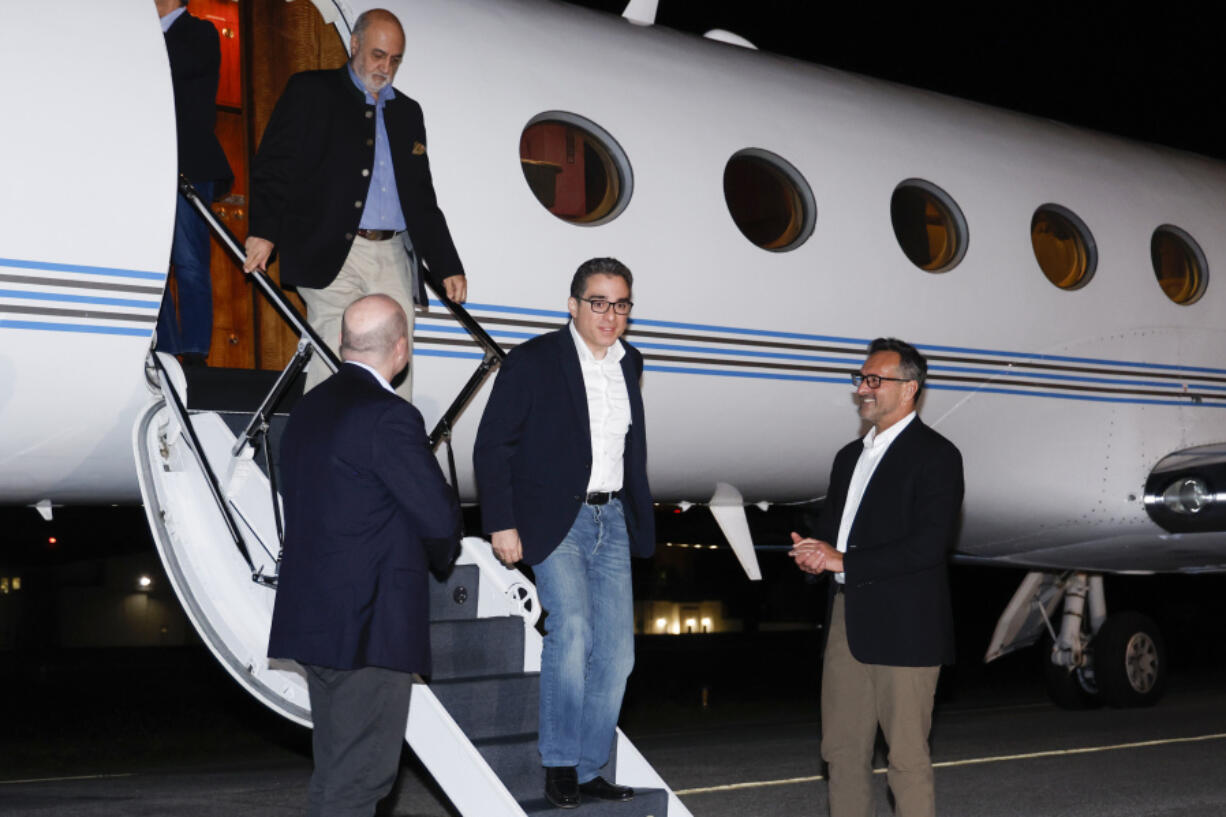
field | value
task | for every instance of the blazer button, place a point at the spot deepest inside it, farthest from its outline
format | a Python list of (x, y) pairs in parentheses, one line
[(349, 236), (358, 204), (369, 114), (369, 142), (365, 172)]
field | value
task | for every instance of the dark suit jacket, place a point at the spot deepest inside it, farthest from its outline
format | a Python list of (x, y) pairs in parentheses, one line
[(195, 63), (366, 507), (308, 187), (533, 454), (897, 590)]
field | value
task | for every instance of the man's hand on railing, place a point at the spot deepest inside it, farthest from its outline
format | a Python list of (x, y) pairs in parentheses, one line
[(258, 252), (456, 287)]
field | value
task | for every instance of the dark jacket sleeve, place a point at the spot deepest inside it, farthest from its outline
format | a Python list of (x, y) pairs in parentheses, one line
[(406, 465), (498, 435), (427, 224), (278, 162), (935, 498)]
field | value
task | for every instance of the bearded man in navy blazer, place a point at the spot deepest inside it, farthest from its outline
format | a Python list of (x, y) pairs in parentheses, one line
[(341, 188), (561, 462), (892, 514), (366, 512)]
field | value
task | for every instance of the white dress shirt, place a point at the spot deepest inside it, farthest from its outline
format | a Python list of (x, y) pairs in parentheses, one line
[(875, 446), (608, 411)]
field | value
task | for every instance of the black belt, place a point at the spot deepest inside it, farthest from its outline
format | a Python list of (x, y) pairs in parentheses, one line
[(601, 497), (377, 235)]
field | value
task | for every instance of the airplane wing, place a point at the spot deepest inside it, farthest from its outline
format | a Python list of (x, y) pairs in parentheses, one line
[(1148, 552)]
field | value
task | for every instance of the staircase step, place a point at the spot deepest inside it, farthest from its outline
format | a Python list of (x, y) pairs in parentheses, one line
[(477, 647), (646, 803), (517, 762), (455, 598), (494, 706)]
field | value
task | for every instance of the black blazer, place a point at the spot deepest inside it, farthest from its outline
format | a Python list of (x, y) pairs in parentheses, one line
[(533, 455), (366, 508), (309, 179), (195, 64), (897, 589)]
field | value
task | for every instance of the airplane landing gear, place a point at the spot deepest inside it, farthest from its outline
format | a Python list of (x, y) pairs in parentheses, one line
[(1130, 660), (1091, 658)]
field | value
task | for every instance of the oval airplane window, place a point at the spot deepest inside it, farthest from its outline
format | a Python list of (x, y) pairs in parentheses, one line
[(1179, 264), (770, 202), (575, 169), (1063, 246), (930, 228)]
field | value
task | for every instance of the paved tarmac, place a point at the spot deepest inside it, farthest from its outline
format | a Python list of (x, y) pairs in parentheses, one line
[(1000, 752)]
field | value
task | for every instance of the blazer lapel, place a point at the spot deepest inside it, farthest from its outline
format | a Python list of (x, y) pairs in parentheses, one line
[(572, 375), (884, 482)]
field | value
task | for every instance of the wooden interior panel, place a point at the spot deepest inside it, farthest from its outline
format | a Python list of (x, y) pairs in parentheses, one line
[(284, 38)]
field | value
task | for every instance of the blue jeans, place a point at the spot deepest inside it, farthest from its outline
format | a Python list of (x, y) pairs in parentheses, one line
[(584, 587), (191, 330)]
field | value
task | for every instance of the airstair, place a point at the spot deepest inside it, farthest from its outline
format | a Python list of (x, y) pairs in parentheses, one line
[(208, 476)]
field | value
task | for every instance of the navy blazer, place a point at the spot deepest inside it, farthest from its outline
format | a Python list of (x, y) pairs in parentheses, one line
[(308, 187), (533, 455), (366, 507), (897, 590), (194, 51)]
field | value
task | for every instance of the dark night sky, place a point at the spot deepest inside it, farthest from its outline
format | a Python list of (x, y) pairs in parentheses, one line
[(1155, 77)]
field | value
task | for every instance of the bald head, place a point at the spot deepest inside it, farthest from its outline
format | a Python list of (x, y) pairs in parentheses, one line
[(376, 49), (375, 331)]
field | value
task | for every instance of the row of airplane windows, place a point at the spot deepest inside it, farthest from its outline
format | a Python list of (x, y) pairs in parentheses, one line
[(579, 173)]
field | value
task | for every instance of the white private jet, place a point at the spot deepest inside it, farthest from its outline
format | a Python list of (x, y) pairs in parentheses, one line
[(777, 215)]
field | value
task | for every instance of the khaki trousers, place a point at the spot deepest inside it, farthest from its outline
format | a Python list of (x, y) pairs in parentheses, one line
[(855, 699), (371, 267)]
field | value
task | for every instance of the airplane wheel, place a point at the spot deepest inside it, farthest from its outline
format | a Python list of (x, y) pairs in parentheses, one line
[(1130, 660), (1069, 689)]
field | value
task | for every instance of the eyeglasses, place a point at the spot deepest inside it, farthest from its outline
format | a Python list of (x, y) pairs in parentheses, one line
[(601, 306), (874, 381)]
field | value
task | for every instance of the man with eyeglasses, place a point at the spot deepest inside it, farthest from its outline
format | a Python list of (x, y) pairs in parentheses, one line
[(891, 513), (561, 465)]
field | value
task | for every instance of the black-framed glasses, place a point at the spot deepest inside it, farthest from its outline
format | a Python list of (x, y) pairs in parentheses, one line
[(601, 306), (874, 381)]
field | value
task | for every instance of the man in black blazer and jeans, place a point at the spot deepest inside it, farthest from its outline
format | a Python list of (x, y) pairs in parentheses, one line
[(889, 522), (195, 68), (561, 463), (341, 188), (367, 512)]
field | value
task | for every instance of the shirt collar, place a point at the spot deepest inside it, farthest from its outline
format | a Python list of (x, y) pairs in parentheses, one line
[(169, 19), (378, 376), (874, 440), (385, 93), (614, 355)]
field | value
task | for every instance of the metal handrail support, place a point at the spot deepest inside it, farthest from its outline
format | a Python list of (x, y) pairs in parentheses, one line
[(494, 354), (180, 412), (257, 426), (271, 291)]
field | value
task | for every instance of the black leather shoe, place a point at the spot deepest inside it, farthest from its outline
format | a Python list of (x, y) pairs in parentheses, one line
[(562, 786), (602, 789)]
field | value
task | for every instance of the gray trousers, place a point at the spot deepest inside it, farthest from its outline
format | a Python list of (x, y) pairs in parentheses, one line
[(359, 717)]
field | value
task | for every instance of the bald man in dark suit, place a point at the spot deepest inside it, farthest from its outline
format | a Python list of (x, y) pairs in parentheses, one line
[(367, 512)]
